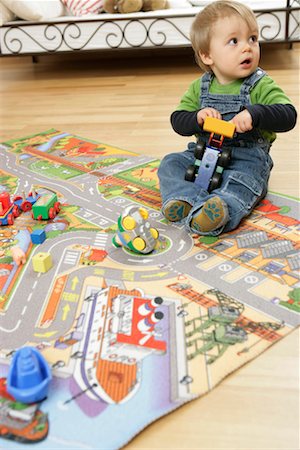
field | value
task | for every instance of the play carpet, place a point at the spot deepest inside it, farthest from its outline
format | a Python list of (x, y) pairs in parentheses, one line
[(129, 337)]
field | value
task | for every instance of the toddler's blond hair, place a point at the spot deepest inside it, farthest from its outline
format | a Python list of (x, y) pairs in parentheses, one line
[(202, 26)]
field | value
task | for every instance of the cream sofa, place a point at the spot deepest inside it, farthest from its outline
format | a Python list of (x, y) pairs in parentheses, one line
[(169, 28)]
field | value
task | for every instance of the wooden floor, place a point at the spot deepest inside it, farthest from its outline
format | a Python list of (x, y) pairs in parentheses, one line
[(126, 101)]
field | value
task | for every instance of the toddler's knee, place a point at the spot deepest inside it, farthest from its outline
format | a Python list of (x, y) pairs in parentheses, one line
[(165, 163), (168, 158)]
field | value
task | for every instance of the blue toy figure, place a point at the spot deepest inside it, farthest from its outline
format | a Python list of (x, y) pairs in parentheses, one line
[(29, 376)]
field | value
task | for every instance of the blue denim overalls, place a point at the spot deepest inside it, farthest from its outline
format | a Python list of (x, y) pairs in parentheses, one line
[(245, 179)]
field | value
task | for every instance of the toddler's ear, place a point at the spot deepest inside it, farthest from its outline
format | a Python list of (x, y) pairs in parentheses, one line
[(206, 59)]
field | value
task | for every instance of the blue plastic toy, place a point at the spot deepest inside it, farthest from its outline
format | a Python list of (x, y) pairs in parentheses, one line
[(29, 376), (38, 236), (210, 159)]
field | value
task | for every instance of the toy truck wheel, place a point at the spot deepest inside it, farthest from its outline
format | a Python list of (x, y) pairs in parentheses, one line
[(139, 244), (190, 173), (154, 232), (199, 150), (10, 219), (224, 158), (26, 206), (52, 213), (16, 212), (215, 182), (57, 207)]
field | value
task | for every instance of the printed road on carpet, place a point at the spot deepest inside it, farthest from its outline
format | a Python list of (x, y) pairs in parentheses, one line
[(225, 299)]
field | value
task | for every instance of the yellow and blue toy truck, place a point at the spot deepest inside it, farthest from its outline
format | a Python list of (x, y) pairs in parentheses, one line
[(210, 159)]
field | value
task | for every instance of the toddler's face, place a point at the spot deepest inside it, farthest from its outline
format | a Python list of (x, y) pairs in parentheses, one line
[(234, 50)]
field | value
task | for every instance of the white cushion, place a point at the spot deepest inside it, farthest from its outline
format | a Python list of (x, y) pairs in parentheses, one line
[(83, 7), (253, 4), (178, 4), (35, 10), (5, 15)]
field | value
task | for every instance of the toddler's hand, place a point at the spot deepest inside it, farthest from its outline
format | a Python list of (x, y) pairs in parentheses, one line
[(18, 255), (242, 121), (207, 112)]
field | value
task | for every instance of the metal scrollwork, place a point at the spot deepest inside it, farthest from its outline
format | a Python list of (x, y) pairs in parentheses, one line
[(163, 34), (70, 39), (116, 34), (133, 34), (294, 24), (279, 25), (15, 43), (271, 31), (135, 38)]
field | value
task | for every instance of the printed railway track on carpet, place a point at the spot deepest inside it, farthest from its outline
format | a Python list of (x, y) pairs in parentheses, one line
[(221, 300)]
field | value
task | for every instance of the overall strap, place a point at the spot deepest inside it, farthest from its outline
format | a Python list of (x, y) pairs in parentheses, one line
[(251, 81), (205, 83)]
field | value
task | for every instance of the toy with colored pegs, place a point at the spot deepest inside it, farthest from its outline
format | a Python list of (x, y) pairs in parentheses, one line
[(135, 232)]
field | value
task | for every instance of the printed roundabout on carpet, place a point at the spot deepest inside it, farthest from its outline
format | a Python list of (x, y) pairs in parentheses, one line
[(223, 300)]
